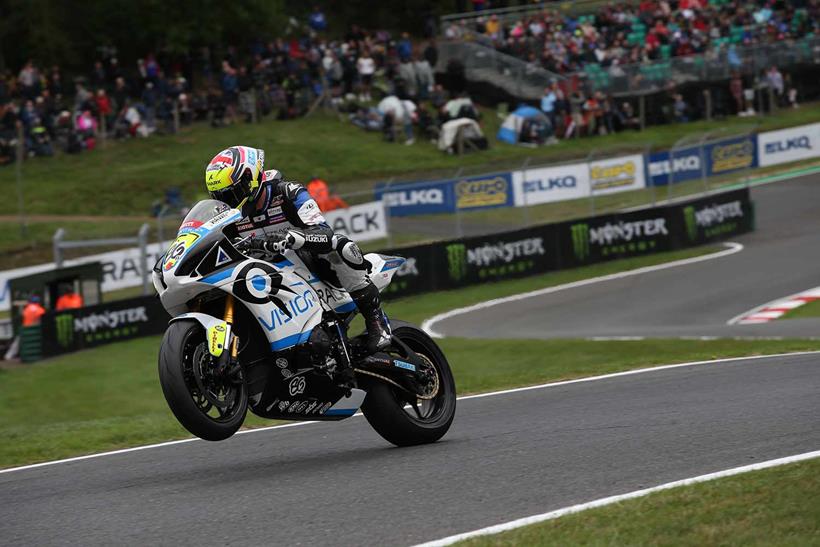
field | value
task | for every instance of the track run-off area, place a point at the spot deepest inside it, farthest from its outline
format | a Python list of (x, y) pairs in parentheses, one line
[(509, 454)]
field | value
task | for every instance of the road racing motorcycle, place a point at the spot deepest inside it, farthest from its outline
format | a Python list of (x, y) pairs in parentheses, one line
[(270, 334)]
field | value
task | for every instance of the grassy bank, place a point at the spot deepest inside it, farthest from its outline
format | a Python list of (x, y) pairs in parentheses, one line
[(774, 506), (110, 397)]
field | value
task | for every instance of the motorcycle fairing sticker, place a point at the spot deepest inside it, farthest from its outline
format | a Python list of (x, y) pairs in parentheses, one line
[(181, 244)]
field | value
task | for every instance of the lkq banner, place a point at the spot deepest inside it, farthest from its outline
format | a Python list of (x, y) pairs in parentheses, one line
[(674, 166), (615, 175), (798, 143), (121, 269), (422, 198), (363, 222), (549, 184)]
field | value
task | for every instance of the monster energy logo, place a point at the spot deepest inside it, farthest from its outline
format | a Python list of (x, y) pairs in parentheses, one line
[(65, 329), (691, 222), (580, 241), (457, 261)]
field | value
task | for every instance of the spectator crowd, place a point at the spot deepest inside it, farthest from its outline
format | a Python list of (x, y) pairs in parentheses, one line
[(160, 93), (645, 30)]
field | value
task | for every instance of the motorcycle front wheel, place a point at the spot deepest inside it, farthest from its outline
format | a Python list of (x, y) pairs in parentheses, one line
[(209, 405), (403, 419)]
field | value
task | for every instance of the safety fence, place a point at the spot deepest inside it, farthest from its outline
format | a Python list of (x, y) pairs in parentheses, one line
[(707, 156), (452, 264), (391, 212)]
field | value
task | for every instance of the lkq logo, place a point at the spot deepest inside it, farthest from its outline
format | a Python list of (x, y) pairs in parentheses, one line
[(675, 165), (407, 198), (797, 143), (550, 183)]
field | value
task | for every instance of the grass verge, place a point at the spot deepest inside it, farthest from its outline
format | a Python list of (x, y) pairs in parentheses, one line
[(812, 309), (768, 507), (110, 397)]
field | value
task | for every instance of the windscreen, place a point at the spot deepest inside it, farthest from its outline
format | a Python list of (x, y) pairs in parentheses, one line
[(204, 211)]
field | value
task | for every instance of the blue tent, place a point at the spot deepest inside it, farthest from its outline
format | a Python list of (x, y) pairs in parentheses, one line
[(511, 128)]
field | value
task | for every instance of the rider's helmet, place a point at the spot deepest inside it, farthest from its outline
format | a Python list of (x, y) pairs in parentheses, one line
[(236, 175)]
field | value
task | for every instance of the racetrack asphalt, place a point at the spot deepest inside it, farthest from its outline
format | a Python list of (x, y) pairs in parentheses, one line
[(780, 258), (507, 456)]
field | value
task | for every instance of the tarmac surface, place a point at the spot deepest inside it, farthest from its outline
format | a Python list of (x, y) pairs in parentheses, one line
[(780, 258), (506, 456)]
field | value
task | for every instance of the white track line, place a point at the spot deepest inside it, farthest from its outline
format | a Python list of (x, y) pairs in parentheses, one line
[(462, 398), (757, 315), (498, 528), (428, 324)]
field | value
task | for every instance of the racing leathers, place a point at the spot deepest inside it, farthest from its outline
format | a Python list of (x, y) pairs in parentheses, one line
[(285, 215)]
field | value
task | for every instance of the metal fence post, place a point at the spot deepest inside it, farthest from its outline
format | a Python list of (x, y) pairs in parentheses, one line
[(160, 221), (18, 174), (459, 227), (589, 159), (57, 240), (387, 217), (142, 237), (524, 191)]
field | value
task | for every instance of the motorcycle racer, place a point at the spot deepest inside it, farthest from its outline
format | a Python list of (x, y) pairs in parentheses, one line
[(279, 215)]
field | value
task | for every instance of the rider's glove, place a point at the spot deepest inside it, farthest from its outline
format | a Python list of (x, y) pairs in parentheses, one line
[(269, 246)]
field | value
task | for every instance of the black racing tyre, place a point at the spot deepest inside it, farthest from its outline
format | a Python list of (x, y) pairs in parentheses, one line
[(424, 421), (207, 406)]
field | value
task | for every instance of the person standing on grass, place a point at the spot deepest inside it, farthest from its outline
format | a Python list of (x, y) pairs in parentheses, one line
[(366, 67)]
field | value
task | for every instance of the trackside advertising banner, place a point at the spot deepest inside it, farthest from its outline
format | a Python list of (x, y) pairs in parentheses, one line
[(363, 222), (121, 269), (497, 256), (617, 236), (422, 198), (71, 330), (798, 143), (484, 191), (549, 184), (613, 175), (674, 166), (716, 217), (730, 155)]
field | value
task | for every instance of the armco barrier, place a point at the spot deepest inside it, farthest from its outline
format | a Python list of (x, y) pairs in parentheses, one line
[(71, 330), (467, 261)]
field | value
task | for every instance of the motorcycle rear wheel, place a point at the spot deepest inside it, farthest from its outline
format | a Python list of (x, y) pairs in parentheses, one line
[(205, 405), (400, 418)]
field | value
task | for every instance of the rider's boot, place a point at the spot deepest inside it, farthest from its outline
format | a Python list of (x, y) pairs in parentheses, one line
[(378, 330)]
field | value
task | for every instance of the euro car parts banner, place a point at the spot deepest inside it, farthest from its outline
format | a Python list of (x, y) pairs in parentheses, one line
[(121, 269), (674, 166), (483, 191), (730, 155), (422, 198), (715, 217), (364, 222), (613, 175), (549, 184), (71, 330), (797, 143)]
